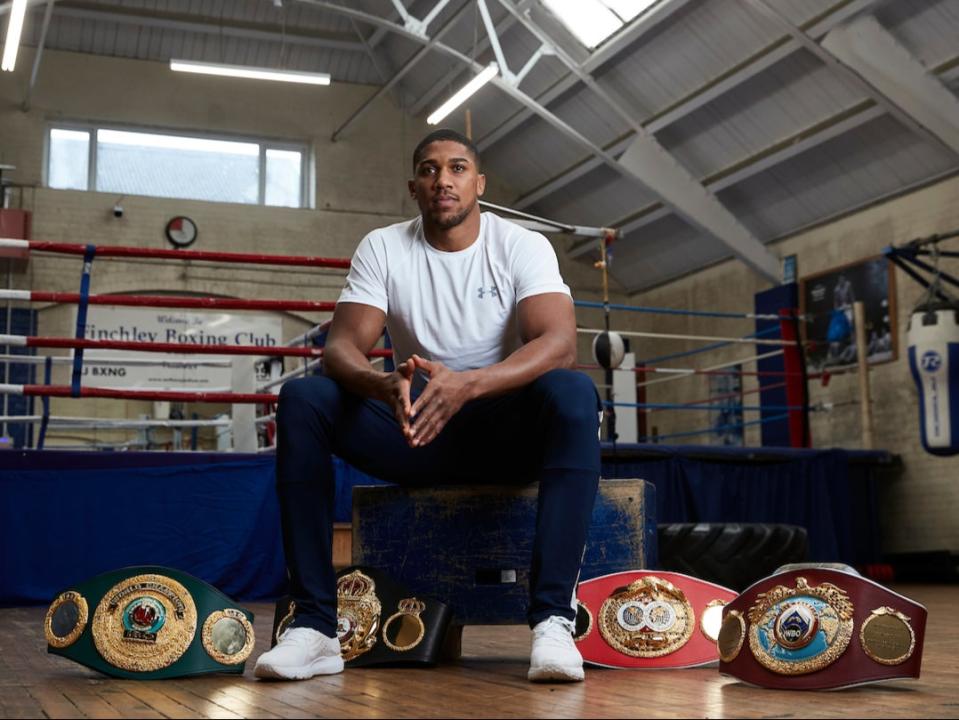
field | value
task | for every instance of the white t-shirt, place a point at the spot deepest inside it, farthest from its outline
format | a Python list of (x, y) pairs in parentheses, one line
[(458, 308)]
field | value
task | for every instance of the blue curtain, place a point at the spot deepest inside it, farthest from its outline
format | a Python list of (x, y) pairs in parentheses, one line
[(821, 490), (60, 525), (66, 516)]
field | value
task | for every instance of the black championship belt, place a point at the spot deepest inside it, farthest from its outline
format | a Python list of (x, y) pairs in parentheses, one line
[(378, 621), (147, 623)]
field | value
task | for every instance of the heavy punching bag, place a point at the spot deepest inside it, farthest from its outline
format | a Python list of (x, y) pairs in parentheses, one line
[(934, 363)]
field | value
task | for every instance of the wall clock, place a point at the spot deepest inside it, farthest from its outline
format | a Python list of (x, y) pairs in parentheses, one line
[(181, 231)]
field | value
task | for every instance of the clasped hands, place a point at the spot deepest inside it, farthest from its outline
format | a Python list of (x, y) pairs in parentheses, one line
[(446, 392)]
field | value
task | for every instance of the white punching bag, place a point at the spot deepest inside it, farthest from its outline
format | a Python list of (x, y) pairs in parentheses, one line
[(934, 362)]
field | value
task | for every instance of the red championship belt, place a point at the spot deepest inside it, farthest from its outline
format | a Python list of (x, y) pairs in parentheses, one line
[(649, 619), (817, 627)]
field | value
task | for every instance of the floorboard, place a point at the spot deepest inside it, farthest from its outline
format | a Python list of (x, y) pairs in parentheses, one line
[(489, 680)]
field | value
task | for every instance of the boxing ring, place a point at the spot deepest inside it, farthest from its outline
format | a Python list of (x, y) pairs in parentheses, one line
[(72, 514)]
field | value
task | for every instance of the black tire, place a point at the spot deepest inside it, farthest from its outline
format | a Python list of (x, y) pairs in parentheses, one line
[(731, 554)]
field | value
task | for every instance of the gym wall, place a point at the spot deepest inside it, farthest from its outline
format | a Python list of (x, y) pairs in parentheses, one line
[(920, 502)]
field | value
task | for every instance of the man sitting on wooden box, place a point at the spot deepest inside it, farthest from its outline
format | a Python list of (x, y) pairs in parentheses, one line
[(484, 331)]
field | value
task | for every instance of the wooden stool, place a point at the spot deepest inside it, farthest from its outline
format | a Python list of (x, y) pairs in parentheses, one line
[(470, 545)]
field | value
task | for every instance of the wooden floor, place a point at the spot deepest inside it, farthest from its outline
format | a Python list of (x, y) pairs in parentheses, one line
[(489, 681)]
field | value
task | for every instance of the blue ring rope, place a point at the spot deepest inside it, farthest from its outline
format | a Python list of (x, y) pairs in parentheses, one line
[(698, 406), (664, 310), (720, 428)]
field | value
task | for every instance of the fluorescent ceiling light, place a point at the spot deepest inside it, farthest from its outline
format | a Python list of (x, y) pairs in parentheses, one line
[(14, 28), (463, 94), (243, 71), (592, 21)]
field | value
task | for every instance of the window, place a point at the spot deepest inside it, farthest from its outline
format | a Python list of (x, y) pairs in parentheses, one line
[(218, 169), (592, 21), (71, 148)]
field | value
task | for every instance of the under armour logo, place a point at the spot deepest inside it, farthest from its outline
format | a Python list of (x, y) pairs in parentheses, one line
[(492, 290)]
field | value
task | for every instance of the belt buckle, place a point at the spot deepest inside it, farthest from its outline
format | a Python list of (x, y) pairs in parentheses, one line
[(649, 619), (820, 626)]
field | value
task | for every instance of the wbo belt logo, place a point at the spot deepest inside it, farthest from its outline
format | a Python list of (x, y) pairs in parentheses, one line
[(931, 361), (492, 291)]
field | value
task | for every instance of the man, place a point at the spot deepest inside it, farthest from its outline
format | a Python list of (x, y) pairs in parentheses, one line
[(485, 329)]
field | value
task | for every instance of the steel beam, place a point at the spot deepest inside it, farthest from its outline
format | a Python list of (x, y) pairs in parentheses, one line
[(792, 146), (207, 25), (381, 32), (646, 159), (370, 51), (482, 46), (649, 162), (882, 61), (673, 181), (557, 123), (721, 84), (833, 62), (37, 57), (628, 35), (746, 168), (401, 73)]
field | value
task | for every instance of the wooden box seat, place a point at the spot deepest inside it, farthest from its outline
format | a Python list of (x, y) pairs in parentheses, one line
[(470, 545)]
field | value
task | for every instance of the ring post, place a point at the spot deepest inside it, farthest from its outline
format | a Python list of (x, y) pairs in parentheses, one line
[(243, 380)]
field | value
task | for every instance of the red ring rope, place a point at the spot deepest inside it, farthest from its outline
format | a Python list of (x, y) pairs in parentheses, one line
[(172, 395), (174, 301), (228, 257), (186, 348)]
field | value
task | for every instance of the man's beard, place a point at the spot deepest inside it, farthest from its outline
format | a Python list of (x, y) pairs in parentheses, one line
[(450, 222)]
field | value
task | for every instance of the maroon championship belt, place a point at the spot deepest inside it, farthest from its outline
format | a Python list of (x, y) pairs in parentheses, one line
[(816, 627), (649, 619)]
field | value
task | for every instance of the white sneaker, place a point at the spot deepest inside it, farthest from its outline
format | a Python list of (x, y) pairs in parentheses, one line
[(301, 653), (555, 656)]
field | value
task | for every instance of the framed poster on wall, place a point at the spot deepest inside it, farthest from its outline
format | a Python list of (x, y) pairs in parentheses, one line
[(826, 300)]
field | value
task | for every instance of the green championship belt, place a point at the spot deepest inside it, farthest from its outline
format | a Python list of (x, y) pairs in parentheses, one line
[(148, 623)]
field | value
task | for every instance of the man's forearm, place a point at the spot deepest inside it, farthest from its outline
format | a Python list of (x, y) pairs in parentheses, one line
[(535, 358), (351, 369)]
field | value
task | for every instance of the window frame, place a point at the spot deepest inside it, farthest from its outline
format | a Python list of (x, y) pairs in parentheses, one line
[(263, 143)]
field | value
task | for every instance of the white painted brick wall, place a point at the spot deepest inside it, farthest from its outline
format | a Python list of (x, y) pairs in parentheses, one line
[(919, 507)]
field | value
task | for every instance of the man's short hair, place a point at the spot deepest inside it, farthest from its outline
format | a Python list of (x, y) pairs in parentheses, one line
[(441, 135)]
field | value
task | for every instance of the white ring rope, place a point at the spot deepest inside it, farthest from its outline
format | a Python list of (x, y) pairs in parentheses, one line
[(702, 338), (67, 360), (684, 372), (107, 423)]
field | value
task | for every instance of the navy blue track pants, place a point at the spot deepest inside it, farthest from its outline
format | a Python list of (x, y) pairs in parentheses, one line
[(546, 431)]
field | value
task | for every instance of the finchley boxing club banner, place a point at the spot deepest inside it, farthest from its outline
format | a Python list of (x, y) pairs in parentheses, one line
[(170, 371)]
